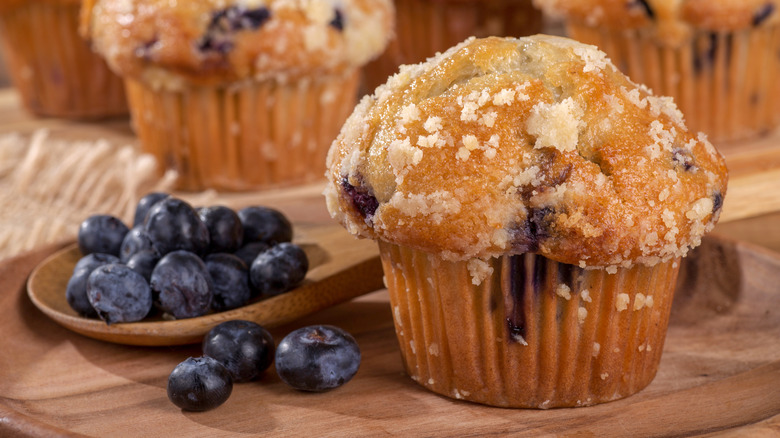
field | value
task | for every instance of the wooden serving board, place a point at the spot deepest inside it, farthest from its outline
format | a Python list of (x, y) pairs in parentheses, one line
[(720, 372)]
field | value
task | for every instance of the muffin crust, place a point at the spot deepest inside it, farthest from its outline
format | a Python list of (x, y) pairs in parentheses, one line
[(216, 42), (533, 145)]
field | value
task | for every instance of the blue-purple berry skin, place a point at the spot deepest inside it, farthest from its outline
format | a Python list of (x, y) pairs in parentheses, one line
[(245, 348), (263, 224), (172, 224), (230, 277), (92, 261), (101, 233), (143, 262), (317, 358), (199, 384), (144, 204), (76, 290), (136, 240), (225, 230), (249, 252), (119, 294), (182, 285), (76, 293), (279, 269)]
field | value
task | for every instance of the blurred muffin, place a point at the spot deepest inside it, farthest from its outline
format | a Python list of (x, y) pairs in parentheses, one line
[(53, 69), (531, 206), (426, 27), (239, 94), (718, 59)]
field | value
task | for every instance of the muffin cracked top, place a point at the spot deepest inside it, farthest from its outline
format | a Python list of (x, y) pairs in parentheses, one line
[(214, 42), (506, 146)]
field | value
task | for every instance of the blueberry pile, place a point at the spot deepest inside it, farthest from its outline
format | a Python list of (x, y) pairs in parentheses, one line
[(314, 358), (181, 261)]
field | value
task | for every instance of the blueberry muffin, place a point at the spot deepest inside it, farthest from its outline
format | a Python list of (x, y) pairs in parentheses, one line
[(52, 68), (239, 94), (426, 27), (718, 59), (531, 205)]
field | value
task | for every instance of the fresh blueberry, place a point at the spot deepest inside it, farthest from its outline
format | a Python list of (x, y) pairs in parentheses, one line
[(225, 230), (135, 241), (263, 224), (182, 285), (245, 348), (230, 277), (279, 269), (144, 204), (172, 224), (118, 294), (92, 261), (101, 233), (249, 252), (317, 358), (76, 293), (199, 384), (76, 290), (143, 262)]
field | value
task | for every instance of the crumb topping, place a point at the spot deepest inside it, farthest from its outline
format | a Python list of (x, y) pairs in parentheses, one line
[(217, 42), (494, 147)]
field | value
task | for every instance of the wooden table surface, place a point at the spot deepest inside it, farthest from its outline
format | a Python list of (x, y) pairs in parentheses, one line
[(720, 372)]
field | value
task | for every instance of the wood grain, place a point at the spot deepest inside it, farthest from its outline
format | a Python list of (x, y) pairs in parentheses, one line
[(340, 268), (720, 373)]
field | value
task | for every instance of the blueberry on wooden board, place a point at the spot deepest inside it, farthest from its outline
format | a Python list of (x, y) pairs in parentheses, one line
[(182, 285), (279, 269), (143, 262), (101, 233), (135, 240), (172, 224), (144, 204), (263, 224), (249, 252), (317, 358), (225, 230), (199, 384), (245, 348), (119, 294), (230, 277)]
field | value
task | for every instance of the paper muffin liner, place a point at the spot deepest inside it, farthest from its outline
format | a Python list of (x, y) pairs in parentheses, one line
[(54, 70), (723, 82), (534, 333), (256, 135), (425, 27)]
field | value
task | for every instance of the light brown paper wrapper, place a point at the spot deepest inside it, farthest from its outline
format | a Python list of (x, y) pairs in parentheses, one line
[(425, 27), (53, 69), (256, 135), (519, 339), (723, 82)]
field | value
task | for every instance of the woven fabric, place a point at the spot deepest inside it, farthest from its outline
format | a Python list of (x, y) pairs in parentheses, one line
[(49, 186)]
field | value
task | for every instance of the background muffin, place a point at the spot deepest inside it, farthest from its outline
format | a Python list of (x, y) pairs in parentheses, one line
[(717, 59), (241, 94), (531, 206), (426, 27), (53, 69)]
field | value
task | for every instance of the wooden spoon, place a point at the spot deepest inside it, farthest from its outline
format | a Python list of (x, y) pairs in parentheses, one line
[(341, 268)]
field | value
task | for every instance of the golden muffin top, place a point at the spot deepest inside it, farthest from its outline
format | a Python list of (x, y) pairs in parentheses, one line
[(538, 144), (213, 42), (673, 20)]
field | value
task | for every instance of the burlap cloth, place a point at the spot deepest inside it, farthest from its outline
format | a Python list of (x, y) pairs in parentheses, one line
[(49, 186)]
